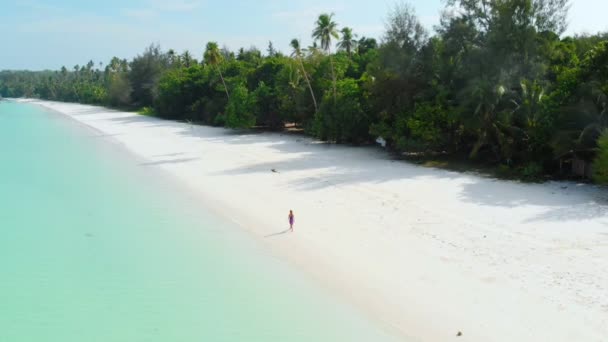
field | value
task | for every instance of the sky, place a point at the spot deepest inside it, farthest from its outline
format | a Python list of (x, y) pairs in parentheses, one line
[(38, 34)]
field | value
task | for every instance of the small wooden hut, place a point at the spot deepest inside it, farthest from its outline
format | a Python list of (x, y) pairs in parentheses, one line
[(578, 163)]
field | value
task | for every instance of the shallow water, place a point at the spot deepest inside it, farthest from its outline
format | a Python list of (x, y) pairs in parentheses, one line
[(96, 246)]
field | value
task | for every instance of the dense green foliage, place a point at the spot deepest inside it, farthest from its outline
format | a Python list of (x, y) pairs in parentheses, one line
[(600, 166), (497, 83)]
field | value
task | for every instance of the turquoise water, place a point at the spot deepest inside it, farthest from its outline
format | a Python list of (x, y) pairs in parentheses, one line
[(96, 247)]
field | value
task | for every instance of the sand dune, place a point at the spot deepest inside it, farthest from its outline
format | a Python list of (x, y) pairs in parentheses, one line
[(425, 252)]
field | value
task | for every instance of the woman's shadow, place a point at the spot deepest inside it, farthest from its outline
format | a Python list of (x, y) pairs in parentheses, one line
[(279, 233)]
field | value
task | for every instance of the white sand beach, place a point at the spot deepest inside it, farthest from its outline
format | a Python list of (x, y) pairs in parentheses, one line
[(426, 253)]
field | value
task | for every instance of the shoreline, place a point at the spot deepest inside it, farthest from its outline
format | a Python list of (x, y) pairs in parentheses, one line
[(425, 252), (127, 245)]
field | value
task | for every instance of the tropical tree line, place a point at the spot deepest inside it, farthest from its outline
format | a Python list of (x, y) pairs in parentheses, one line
[(497, 82)]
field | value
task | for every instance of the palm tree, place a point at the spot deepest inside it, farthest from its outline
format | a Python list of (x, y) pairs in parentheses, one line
[(348, 42), (313, 49), (325, 29), (297, 54), (214, 57), (493, 120), (186, 58), (172, 56), (582, 123)]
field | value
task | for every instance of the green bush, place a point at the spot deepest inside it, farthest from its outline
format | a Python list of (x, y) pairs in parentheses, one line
[(147, 111), (430, 123), (342, 119), (239, 111), (600, 166), (531, 171)]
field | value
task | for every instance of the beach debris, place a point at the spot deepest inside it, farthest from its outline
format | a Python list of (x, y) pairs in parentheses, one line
[(380, 141), (274, 171), (459, 334)]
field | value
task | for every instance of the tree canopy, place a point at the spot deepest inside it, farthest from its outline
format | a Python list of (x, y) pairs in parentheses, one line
[(498, 82)]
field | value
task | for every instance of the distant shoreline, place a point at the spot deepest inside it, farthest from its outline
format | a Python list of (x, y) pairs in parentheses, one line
[(427, 253)]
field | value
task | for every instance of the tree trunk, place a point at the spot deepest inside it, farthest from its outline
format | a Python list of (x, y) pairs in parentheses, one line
[(312, 93), (224, 83)]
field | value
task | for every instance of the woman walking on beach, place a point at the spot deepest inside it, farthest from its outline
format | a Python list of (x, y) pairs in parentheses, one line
[(291, 218)]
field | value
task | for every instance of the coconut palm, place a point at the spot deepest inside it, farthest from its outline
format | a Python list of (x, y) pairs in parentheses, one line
[(297, 54), (186, 59), (348, 42), (325, 29), (486, 97), (582, 123), (313, 49), (171, 55), (214, 57)]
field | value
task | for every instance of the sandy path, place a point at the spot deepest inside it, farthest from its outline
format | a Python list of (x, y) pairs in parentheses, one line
[(425, 252)]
